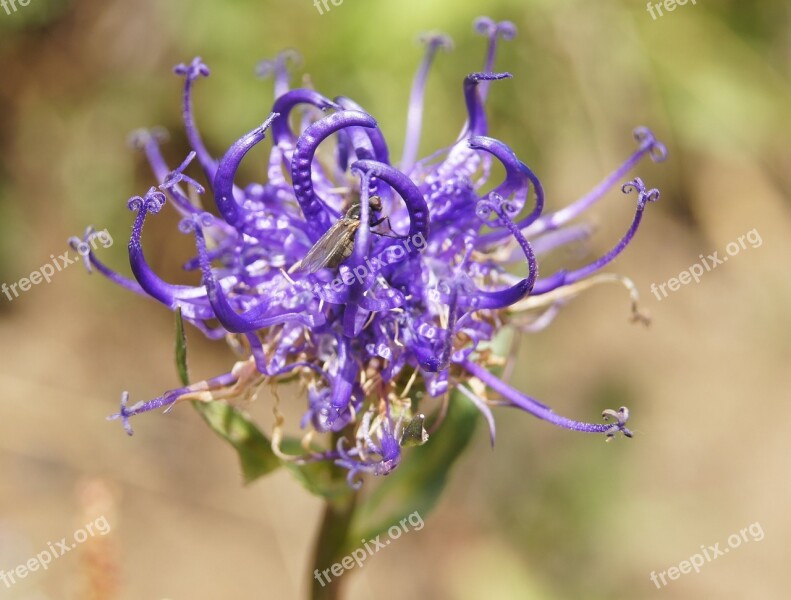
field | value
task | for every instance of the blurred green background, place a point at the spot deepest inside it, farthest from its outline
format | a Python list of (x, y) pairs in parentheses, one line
[(548, 514)]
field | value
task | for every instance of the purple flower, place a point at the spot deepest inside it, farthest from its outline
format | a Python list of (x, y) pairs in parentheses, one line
[(413, 309)]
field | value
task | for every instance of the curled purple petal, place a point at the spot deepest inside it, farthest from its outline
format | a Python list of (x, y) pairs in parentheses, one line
[(411, 274)]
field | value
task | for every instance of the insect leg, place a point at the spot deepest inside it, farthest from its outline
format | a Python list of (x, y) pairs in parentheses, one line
[(382, 220)]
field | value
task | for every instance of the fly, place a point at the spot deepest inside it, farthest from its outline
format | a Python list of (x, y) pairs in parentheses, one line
[(337, 244)]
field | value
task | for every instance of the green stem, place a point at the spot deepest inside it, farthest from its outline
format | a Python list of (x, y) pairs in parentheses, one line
[(330, 546)]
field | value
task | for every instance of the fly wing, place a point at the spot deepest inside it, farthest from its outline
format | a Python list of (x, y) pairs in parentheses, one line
[(329, 250)]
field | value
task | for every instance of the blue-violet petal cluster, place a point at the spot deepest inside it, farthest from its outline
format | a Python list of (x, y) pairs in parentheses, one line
[(410, 314)]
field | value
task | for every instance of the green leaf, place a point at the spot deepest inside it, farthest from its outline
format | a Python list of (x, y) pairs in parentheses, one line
[(418, 482), (254, 448), (321, 478), (181, 349)]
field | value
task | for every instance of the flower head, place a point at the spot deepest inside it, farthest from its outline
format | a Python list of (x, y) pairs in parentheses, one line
[(408, 279)]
